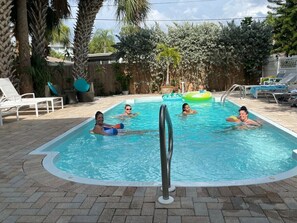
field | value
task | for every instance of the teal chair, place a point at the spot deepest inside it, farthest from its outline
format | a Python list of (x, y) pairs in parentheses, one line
[(85, 91)]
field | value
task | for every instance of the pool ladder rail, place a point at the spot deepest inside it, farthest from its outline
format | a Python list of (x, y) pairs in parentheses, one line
[(165, 157), (230, 90)]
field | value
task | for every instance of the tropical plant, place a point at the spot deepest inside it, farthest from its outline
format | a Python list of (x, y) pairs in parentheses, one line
[(171, 56), (51, 11), (133, 11), (102, 42), (61, 34)]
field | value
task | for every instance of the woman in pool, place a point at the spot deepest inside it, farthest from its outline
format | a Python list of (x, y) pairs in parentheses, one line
[(243, 118), (187, 110), (99, 126), (128, 112)]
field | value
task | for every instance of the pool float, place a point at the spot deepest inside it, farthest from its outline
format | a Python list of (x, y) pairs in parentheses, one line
[(172, 97), (232, 118), (110, 131), (196, 96), (119, 126), (114, 130)]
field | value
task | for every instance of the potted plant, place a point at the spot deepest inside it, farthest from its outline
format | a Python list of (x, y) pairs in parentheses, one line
[(171, 56)]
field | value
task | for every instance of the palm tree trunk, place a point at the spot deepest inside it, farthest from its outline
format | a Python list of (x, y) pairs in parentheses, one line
[(6, 48), (22, 36), (87, 11), (167, 73), (38, 26)]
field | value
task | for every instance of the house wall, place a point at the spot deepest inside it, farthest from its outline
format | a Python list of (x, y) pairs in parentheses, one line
[(277, 65)]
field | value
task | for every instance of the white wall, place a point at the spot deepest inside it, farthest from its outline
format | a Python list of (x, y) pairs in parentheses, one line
[(280, 65)]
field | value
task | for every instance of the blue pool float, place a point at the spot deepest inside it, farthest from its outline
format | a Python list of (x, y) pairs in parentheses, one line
[(110, 131), (113, 131)]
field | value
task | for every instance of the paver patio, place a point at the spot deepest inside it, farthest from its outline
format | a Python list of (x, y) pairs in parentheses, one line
[(28, 193)]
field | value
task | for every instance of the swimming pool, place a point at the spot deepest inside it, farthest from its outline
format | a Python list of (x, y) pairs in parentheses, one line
[(207, 150)]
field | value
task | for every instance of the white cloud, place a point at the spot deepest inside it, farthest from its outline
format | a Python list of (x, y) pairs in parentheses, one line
[(190, 11), (157, 16), (243, 8)]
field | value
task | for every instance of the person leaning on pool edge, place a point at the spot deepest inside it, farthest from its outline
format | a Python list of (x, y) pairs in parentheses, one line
[(243, 117)]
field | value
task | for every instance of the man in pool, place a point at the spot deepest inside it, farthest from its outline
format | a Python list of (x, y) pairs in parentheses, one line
[(243, 118), (128, 112), (187, 110)]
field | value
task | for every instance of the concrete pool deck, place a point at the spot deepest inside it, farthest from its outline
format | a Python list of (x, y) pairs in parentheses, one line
[(28, 193)]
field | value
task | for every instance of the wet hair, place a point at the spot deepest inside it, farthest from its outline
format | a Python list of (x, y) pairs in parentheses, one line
[(127, 105), (98, 113), (184, 105), (243, 108)]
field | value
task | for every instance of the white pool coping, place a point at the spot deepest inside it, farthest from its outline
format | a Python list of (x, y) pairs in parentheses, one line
[(48, 161)]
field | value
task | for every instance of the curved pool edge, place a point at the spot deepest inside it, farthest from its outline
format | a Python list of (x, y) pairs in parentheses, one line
[(48, 163)]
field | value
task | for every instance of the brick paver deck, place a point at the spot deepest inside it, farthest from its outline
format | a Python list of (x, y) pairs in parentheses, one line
[(28, 193)]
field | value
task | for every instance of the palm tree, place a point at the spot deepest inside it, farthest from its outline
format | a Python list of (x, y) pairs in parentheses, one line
[(61, 34), (44, 18), (102, 42), (129, 11), (38, 27), (170, 55), (6, 48), (38, 11), (22, 35)]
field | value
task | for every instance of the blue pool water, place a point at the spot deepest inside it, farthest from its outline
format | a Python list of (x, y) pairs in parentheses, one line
[(206, 148)]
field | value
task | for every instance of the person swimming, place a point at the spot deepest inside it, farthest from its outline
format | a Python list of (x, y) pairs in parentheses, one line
[(127, 112), (243, 118), (100, 125), (186, 110)]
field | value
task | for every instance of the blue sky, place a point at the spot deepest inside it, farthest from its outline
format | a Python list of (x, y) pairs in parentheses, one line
[(165, 12)]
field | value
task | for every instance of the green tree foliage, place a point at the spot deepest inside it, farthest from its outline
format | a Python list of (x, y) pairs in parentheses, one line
[(61, 34), (283, 18), (170, 55), (196, 44), (256, 47), (208, 51), (138, 47), (102, 42)]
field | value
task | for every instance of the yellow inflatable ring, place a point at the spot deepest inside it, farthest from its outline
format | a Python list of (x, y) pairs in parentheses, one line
[(196, 96)]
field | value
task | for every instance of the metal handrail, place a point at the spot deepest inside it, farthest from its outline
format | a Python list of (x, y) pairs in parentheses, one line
[(165, 157), (231, 89)]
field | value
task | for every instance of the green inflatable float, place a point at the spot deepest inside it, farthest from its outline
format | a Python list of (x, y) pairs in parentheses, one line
[(196, 96)]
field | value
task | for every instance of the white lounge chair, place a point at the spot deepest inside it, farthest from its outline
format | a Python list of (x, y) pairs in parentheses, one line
[(17, 104), (11, 94)]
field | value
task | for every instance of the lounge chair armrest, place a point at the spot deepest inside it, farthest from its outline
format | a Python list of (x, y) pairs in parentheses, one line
[(30, 94)]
